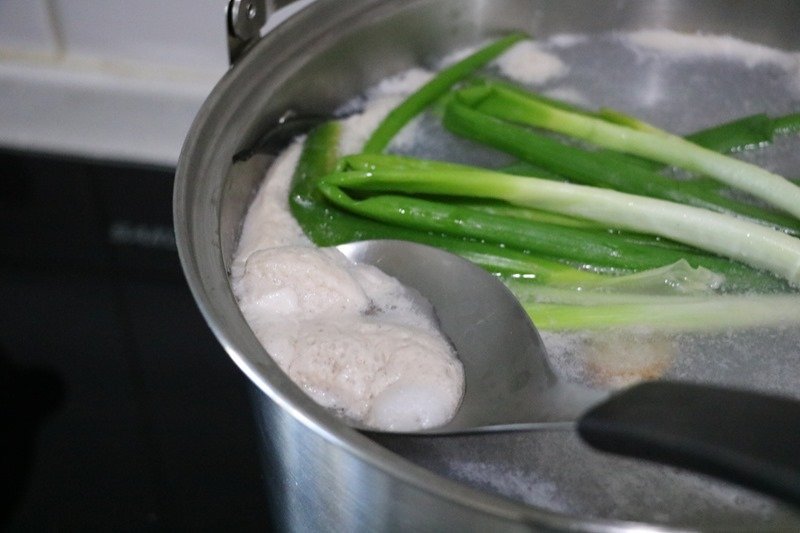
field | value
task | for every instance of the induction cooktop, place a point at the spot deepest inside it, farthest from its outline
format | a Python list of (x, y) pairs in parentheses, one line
[(119, 409)]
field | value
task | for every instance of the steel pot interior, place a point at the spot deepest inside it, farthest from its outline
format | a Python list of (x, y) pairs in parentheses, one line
[(312, 63)]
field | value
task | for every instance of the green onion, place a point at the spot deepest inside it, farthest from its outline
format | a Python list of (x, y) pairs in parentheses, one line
[(599, 168), (741, 134), (328, 225), (433, 90), (597, 248), (787, 124), (744, 133), (503, 209), (652, 144), (738, 239), (665, 314), (322, 222), (679, 278)]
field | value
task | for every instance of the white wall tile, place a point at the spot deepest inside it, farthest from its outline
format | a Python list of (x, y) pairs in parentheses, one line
[(25, 27), (182, 33), (93, 100)]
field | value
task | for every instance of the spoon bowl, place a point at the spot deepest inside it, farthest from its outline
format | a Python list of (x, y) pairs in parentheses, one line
[(509, 382), (742, 436)]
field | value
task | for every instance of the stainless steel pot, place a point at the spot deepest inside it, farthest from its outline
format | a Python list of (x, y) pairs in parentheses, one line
[(323, 475)]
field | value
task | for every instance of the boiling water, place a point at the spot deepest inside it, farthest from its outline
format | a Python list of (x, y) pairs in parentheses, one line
[(680, 83)]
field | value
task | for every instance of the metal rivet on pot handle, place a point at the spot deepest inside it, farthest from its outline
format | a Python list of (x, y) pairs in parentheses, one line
[(245, 18)]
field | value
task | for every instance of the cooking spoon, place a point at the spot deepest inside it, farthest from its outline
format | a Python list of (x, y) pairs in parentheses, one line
[(746, 437)]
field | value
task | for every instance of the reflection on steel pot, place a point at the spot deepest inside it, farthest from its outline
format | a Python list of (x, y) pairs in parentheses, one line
[(322, 474)]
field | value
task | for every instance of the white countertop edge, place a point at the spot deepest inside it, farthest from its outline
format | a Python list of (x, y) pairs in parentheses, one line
[(98, 113)]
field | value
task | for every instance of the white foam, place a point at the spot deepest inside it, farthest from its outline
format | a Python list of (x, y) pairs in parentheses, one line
[(380, 100), (350, 336), (683, 45), (527, 63), (269, 223)]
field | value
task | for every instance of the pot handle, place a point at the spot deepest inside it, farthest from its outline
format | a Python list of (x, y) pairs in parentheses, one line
[(245, 18), (749, 438)]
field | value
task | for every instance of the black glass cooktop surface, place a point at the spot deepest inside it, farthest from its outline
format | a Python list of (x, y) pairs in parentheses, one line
[(119, 409)]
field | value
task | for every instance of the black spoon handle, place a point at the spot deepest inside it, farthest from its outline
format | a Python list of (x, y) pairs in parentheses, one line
[(749, 438)]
